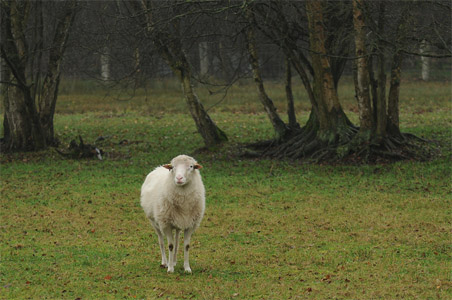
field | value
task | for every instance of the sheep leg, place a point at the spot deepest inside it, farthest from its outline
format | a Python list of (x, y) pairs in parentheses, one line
[(176, 247), (187, 237), (170, 238), (164, 263)]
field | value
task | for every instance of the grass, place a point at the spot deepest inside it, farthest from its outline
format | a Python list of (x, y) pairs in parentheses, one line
[(272, 230)]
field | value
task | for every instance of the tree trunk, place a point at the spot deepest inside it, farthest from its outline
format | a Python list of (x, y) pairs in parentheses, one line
[(380, 107), (362, 73), (331, 117), (278, 124), (176, 59), (338, 20), (396, 74), (209, 131), (289, 96), (47, 110), (23, 131), (49, 95), (393, 98), (298, 65)]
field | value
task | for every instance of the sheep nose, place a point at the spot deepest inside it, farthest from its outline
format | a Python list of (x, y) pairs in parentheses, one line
[(179, 178)]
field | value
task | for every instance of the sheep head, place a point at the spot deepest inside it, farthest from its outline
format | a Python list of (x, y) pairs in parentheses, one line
[(182, 168)]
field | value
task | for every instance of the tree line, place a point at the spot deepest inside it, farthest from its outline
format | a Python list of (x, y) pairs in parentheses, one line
[(313, 40)]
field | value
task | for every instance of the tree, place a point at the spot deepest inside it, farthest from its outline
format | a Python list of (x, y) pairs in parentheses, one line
[(33, 56), (165, 32), (328, 126), (382, 34), (279, 126), (379, 119)]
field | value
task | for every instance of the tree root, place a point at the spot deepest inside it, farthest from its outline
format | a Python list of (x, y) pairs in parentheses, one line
[(81, 150), (347, 145)]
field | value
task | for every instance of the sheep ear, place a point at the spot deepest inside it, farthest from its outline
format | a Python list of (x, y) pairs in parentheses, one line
[(168, 166), (198, 166)]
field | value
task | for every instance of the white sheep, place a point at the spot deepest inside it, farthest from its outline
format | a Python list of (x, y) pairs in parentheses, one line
[(173, 199)]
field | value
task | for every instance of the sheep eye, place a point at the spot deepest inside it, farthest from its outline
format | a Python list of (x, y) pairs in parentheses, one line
[(191, 167)]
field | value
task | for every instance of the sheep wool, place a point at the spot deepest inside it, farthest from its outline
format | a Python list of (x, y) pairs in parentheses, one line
[(173, 199)]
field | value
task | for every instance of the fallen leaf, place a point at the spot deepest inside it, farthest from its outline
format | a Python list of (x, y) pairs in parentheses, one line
[(327, 278)]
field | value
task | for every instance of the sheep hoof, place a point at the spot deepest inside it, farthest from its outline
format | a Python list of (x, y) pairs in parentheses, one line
[(163, 266), (187, 271), (170, 270)]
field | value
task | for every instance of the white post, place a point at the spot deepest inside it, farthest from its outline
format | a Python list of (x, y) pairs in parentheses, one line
[(203, 58), (105, 64), (425, 61)]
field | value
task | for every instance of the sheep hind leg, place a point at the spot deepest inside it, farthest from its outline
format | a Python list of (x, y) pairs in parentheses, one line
[(187, 237), (170, 238), (164, 263)]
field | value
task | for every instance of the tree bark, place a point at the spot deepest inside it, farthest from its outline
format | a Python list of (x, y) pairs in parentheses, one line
[(24, 130), (394, 92), (362, 73), (330, 114), (380, 107)]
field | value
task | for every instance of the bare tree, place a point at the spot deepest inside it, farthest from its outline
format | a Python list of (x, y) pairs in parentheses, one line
[(309, 47), (162, 25), (384, 33), (33, 58), (279, 126), (390, 31)]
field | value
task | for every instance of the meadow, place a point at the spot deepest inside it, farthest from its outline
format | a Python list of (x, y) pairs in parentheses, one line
[(74, 229)]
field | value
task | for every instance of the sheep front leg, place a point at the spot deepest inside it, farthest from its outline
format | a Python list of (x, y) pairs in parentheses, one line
[(169, 236), (187, 237), (176, 247)]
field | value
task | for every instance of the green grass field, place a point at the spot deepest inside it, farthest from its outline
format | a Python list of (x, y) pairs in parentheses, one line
[(74, 229)]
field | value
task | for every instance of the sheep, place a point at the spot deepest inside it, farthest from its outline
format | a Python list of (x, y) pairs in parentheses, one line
[(173, 199)]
